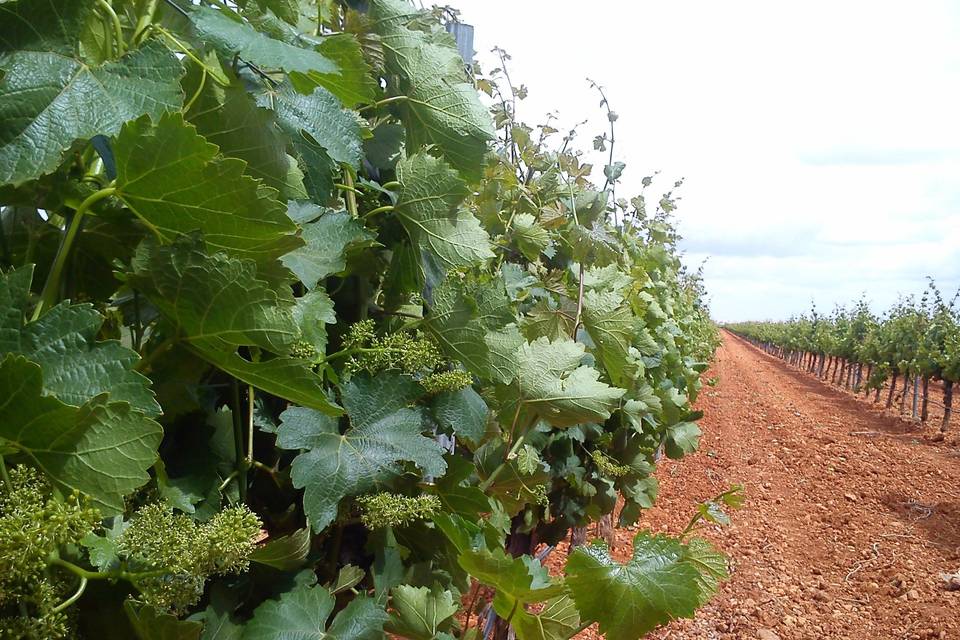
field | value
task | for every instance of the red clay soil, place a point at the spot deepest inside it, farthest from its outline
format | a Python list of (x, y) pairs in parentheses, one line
[(851, 515)]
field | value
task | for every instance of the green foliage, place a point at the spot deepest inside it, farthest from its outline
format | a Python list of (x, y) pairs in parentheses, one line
[(421, 613), (100, 448), (303, 613), (53, 93), (384, 433), (281, 301), (662, 580)]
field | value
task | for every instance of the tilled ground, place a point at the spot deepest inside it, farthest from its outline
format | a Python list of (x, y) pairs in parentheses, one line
[(851, 515)]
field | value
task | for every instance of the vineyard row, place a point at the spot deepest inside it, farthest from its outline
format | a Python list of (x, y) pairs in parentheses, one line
[(915, 344)]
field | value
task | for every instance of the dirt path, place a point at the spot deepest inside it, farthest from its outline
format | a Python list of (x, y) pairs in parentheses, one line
[(850, 516)]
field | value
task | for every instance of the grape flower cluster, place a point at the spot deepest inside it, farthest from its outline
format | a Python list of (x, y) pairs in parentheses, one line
[(183, 553), (411, 353), (393, 510), (36, 524), (608, 466)]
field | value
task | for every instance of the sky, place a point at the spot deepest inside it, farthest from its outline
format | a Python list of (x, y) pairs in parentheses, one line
[(819, 142)]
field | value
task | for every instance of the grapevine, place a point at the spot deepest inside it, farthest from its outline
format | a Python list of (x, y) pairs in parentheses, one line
[(298, 337), (916, 339)]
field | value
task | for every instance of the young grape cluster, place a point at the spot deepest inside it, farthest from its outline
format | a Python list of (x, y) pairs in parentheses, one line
[(446, 381), (608, 466), (183, 553), (36, 524), (411, 353), (394, 510)]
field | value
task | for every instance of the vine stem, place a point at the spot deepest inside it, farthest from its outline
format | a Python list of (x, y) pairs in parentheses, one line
[(384, 209), (7, 485), (115, 21), (250, 403), (52, 285), (496, 472), (196, 94), (344, 187), (473, 601), (185, 50), (143, 22), (238, 441), (106, 575), (381, 103), (576, 323), (227, 481), (146, 362), (76, 596), (351, 191)]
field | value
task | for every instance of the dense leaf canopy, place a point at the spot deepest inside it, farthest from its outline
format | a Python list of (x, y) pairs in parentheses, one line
[(304, 335)]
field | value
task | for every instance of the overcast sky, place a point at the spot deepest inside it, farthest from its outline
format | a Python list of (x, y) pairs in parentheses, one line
[(819, 140)]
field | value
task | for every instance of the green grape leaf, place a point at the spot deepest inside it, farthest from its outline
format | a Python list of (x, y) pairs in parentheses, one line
[(302, 613), (712, 566), (429, 209), (317, 166), (103, 551), (606, 278), (354, 84), (442, 107), (328, 241), (50, 96), (217, 303), (384, 433), (662, 581), (230, 118), (593, 245), (385, 148), (682, 439), (285, 553), (558, 620), (455, 492), (466, 319), (552, 384), (420, 613), (286, 10), (610, 324), (76, 368), (317, 119), (463, 412), (514, 488), (313, 312), (348, 577), (172, 179), (101, 448), (529, 460), (232, 36), (218, 624), (643, 402), (523, 580), (215, 299), (528, 236), (547, 320), (151, 623)]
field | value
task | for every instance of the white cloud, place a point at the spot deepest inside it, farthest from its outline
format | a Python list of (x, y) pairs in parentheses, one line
[(819, 140)]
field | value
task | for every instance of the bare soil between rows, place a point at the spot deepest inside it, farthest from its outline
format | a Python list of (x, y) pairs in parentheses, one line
[(851, 515)]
